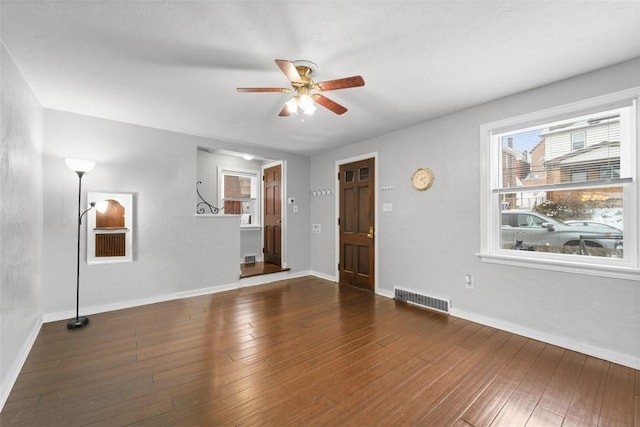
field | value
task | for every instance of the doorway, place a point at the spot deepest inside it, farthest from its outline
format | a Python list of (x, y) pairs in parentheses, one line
[(273, 224), (356, 223), (272, 193)]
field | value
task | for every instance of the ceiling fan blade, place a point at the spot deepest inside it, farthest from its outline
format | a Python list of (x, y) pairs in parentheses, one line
[(344, 83), (289, 70), (329, 104), (264, 89), (285, 112)]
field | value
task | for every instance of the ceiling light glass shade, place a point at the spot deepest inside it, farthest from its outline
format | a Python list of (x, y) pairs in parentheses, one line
[(247, 156), (306, 104), (292, 105), (78, 165)]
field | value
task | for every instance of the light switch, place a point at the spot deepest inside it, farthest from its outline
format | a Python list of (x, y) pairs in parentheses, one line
[(387, 207)]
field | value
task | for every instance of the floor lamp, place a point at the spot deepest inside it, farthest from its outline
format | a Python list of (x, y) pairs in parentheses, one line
[(80, 167)]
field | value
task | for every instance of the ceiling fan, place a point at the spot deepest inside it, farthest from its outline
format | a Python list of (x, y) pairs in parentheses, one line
[(307, 92)]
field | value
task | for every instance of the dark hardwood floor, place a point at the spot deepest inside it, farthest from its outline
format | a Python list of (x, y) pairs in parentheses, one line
[(259, 269), (309, 352)]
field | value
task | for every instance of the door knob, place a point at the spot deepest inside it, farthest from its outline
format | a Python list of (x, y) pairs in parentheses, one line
[(370, 233)]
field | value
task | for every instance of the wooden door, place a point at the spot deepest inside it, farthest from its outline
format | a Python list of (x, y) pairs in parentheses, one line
[(273, 215), (357, 220)]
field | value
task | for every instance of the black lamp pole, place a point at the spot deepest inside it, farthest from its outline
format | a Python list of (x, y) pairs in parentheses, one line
[(79, 321)]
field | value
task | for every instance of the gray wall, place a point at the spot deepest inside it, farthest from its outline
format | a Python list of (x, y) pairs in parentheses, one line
[(208, 164), (175, 251), (20, 220), (430, 240)]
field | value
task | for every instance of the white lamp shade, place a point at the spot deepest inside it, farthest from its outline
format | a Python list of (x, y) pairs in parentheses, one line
[(102, 206), (78, 165)]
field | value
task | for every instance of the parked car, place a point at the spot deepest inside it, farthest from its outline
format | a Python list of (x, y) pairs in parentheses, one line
[(596, 226), (527, 230)]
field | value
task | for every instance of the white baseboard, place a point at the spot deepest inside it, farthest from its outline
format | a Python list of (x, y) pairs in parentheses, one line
[(601, 353), (385, 293), (297, 274), (323, 276), (10, 377), (61, 315), (249, 281), (207, 291)]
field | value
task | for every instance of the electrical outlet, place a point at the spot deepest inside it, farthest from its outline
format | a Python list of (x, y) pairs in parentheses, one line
[(468, 281)]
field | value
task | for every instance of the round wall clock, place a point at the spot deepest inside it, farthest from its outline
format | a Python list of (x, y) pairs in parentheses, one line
[(422, 179)]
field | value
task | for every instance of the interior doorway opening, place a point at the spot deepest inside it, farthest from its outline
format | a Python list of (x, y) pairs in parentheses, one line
[(252, 187)]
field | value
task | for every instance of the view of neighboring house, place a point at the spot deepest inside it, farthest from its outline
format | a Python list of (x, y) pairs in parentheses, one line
[(538, 175), (585, 150)]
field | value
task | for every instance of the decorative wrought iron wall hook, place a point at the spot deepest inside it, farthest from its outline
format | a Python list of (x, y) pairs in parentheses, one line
[(201, 207)]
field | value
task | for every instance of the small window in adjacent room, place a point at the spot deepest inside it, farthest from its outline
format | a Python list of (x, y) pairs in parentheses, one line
[(560, 188), (109, 228), (239, 195)]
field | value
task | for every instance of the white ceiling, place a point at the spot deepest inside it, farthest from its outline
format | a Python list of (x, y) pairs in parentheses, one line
[(175, 64)]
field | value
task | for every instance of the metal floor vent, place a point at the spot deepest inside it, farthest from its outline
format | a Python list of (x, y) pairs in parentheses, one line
[(421, 300), (249, 259)]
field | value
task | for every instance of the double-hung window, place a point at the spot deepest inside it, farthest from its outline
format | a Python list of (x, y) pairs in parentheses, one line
[(559, 188), (239, 195)]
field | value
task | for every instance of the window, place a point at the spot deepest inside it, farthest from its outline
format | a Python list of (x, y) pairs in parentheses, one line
[(560, 188), (239, 195), (578, 140)]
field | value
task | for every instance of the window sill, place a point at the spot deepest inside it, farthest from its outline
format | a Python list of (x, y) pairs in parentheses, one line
[(199, 215), (616, 272)]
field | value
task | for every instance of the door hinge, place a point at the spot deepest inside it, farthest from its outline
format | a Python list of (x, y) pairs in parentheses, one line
[(338, 266), (338, 176), (338, 222), (263, 177), (263, 251)]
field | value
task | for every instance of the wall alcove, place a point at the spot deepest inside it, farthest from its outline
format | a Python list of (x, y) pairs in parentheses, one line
[(109, 228)]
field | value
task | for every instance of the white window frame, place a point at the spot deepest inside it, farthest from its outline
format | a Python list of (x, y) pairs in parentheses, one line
[(490, 239), (583, 141), (254, 175)]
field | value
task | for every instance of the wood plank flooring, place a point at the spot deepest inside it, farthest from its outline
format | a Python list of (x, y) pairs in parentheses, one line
[(309, 352), (259, 269)]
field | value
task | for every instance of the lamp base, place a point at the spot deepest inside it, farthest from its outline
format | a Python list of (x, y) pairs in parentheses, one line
[(77, 322)]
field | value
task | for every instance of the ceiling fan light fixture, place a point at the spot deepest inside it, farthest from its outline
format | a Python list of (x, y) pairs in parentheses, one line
[(306, 104), (292, 105), (306, 92)]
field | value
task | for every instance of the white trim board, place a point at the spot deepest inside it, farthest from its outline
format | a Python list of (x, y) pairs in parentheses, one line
[(591, 350), (61, 315), (18, 363), (567, 343)]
